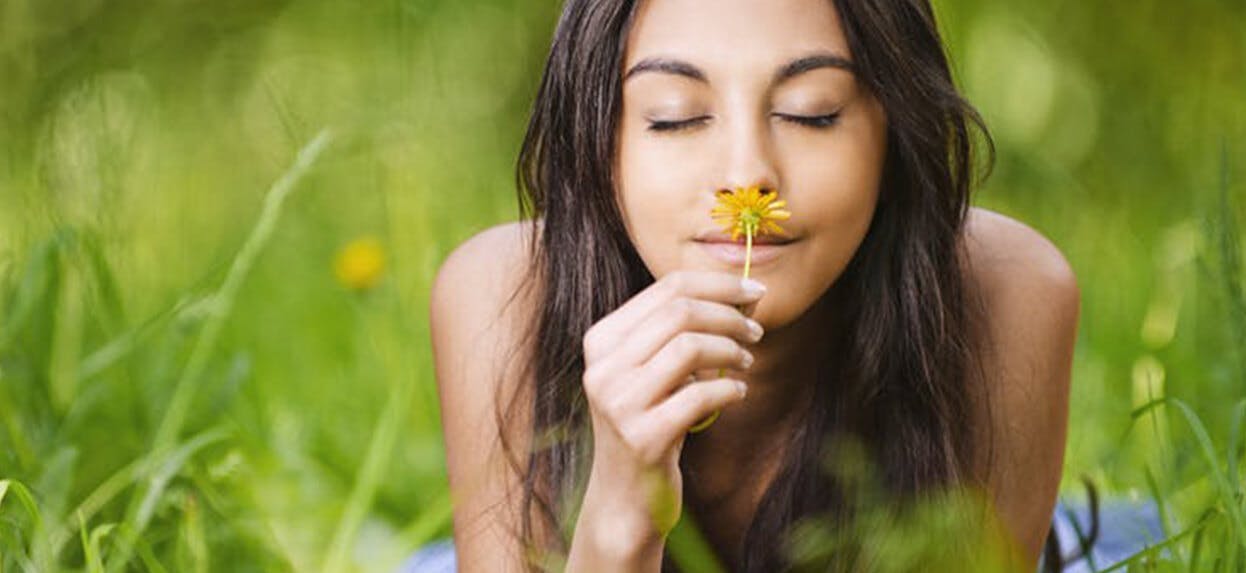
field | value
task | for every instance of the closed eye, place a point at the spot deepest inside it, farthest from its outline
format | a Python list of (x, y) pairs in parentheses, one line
[(813, 121), (678, 125)]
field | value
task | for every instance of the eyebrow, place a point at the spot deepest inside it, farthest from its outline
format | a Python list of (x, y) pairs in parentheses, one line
[(790, 70), (666, 66), (813, 62)]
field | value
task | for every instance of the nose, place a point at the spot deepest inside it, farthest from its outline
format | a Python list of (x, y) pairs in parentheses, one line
[(749, 156)]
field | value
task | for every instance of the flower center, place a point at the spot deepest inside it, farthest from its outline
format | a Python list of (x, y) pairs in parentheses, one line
[(749, 219)]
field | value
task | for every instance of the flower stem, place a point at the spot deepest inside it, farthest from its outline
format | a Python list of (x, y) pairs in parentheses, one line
[(748, 251)]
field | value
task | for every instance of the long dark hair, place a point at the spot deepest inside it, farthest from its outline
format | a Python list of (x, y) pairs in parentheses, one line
[(902, 372)]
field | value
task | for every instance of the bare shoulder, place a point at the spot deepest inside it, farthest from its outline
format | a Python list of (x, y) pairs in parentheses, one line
[(495, 260), (1008, 256), (479, 297), (1032, 304), (1029, 291), (478, 309)]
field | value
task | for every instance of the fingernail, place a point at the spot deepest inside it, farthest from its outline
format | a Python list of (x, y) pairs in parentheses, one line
[(754, 329), (747, 359), (743, 388), (752, 287)]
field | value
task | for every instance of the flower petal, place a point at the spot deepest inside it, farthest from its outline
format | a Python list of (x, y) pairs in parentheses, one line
[(772, 227)]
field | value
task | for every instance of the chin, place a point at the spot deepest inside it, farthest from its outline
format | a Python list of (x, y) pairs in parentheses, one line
[(773, 312), (785, 303)]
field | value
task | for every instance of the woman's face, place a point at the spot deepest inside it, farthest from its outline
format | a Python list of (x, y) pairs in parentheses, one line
[(733, 93)]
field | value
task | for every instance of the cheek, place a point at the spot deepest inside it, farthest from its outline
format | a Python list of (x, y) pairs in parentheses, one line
[(845, 200), (838, 180), (842, 169), (654, 200)]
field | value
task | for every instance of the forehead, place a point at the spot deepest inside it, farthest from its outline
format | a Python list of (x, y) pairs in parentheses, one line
[(739, 33)]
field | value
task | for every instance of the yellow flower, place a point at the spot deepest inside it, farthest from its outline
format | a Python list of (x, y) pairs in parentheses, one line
[(750, 211), (747, 211), (360, 264)]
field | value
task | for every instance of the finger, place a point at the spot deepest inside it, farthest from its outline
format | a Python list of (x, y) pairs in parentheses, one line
[(680, 358), (672, 418), (716, 286), (684, 315)]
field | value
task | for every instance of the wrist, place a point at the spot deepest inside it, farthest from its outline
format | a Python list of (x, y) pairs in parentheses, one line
[(624, 537)]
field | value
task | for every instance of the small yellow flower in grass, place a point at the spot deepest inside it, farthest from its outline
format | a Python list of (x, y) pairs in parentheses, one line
[(748, 211), (360, 264)]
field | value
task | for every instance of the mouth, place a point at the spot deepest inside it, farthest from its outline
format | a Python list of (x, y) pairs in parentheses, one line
[(715, 237), (734, 253)]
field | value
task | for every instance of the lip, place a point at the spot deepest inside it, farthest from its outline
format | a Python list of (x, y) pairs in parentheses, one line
[(720, 237), (733, 253)]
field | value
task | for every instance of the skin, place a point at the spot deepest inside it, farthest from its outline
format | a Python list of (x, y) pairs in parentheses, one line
[(745, 136)]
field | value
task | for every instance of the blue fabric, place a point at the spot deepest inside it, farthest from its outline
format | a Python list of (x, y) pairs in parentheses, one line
[(436, 557), (1125, 528)]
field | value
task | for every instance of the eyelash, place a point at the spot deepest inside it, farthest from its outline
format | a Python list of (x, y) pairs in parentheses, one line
[(813, 121)]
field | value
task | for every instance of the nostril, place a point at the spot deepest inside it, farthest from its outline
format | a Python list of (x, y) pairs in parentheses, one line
[(762, 190)]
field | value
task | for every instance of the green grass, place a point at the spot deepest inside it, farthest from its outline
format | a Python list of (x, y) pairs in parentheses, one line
[(185, 387)]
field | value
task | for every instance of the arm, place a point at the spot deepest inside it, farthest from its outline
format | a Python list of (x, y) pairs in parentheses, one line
[(470, 339), (473, 333), (1032, 305)]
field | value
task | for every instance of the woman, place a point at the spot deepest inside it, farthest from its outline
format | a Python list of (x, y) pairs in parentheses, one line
[(936, 336)]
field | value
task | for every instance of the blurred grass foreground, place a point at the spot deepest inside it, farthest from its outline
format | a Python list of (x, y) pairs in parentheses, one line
[(219, 222)]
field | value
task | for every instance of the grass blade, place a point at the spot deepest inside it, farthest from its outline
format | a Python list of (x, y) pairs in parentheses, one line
[(380, 452), (1228, 494), (91, 544), (1195, 530), (1235, 444), (41, 558), (142, 505), (689, 549), (1158, 496), (179, 404), (157, 477), (1228, 246)]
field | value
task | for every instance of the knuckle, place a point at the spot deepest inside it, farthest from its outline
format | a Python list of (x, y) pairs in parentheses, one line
[(614, 407), (594, 380), (682, 311), (676, 282), (685, 345), (591, 340)]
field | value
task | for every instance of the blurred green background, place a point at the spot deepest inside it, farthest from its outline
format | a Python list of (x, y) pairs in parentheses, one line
[(170, 404)]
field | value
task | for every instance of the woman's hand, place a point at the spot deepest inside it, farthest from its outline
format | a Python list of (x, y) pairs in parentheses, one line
[(639, 362)]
